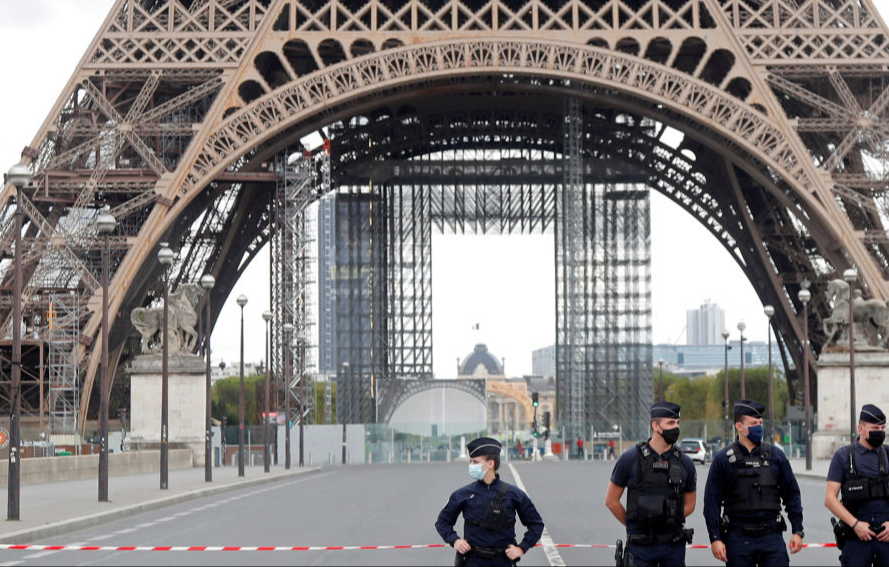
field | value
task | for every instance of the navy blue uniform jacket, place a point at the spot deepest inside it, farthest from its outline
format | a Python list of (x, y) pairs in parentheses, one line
[(720, 472), (473, 502)]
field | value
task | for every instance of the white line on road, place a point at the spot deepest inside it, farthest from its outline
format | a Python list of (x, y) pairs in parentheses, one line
[(549, 546), (45, 553), (10, 563)]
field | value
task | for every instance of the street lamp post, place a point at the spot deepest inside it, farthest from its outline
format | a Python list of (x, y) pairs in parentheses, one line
[(165, 256), (207, 282), (741, 326), (769, 312), (851, 276), (660, 379), (804, 297), (19, 175), (348, 369), (222, 438), (266, 433), (302, 413), (106, 224), (287, 379), (242, 301), (725, 401)]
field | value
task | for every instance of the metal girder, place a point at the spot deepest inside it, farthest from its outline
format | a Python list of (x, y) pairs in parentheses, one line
[(639, 52)]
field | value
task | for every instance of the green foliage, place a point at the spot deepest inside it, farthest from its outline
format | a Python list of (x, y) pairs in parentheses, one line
[(225, 398), (692, 392), (320, 406), (701, 398), (757, 379)]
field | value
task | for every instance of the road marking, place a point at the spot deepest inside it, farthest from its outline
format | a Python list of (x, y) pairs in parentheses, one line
[(10, 563), (45, 553), (549, 546)]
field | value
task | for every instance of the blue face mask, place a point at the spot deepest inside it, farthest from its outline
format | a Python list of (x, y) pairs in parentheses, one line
[(476, 471), (754, 434)]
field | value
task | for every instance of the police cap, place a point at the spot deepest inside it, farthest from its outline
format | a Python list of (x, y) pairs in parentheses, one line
[(484, 447), (872, 414), (664, 409), (748, 407)]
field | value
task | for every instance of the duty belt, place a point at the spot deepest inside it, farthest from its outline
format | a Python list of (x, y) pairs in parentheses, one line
[(756, 529), (660, 538)]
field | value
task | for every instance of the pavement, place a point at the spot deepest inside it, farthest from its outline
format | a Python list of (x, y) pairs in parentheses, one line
[(819, 468), (378, 505), (55, 508)]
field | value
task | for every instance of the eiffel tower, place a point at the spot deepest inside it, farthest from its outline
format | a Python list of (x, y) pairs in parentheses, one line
[(179, 111)]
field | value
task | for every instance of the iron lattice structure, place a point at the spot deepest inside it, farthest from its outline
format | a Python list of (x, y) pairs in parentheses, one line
[(292, 277), (179, 107)]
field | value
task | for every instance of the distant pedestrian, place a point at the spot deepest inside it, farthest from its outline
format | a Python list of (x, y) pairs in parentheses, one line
[(580, 448), (519, 449), (489, 507), (611, 446)]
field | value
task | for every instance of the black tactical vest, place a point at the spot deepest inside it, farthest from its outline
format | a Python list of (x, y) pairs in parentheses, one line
[(498, 516), (752, 485), (858, 489), (654, 497)]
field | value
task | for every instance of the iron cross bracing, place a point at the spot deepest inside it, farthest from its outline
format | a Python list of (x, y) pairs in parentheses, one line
[(780, 106)]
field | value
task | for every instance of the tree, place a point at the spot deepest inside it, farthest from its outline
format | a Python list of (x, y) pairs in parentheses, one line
[(757, 389), (225, 398), (690, 394)]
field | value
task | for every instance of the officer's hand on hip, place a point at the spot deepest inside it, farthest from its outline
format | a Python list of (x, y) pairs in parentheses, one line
[(462, 546), (884, 535), (514, 552), (796, 543), (863, 531), (718, 549)]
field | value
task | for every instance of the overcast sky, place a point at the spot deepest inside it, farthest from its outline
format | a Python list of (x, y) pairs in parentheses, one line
[(505, 284)]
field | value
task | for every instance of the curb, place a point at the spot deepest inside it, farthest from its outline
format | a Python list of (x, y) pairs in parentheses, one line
[(57, 528), (811, 475)]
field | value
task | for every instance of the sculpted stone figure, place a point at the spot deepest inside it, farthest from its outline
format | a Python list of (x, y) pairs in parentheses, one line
[(870, 317), (181, 320)]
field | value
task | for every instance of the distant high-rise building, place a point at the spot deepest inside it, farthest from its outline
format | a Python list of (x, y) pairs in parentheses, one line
[(543, 361), (705, 325)]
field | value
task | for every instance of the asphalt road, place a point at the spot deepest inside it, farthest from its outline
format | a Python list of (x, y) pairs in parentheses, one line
[(378, 505)]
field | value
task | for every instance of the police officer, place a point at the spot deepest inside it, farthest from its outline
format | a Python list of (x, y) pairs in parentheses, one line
[(748, 480), (661, 493), (861, 473), (489, 507)]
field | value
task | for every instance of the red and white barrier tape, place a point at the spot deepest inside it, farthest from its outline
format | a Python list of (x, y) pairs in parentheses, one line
[(15, 547)]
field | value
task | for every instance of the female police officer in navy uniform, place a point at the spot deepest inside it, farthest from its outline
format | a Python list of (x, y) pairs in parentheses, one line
[(489, 507)]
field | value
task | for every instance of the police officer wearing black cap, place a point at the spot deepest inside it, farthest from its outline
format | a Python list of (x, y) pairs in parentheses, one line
[(747, 483), (660, 482), (860, 473), (489, 507)]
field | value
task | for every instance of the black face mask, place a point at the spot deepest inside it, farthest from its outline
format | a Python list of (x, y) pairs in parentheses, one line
[(876, 438), (671, 436)]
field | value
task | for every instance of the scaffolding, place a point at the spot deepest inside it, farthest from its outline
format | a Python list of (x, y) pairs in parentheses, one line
[(596, 208), (63, 338), (603, 296), (300, 180)]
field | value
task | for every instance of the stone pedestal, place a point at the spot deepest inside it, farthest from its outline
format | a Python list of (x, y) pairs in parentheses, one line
[(186, 403), (871, 386)]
